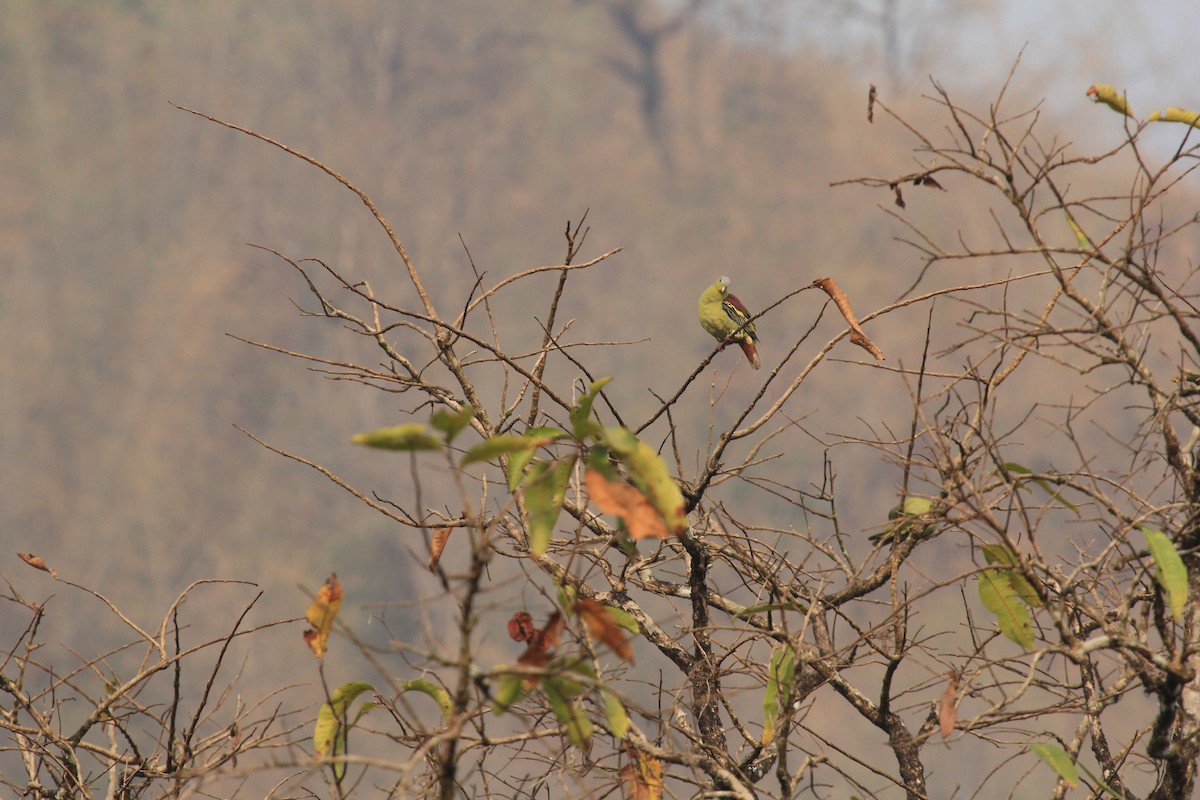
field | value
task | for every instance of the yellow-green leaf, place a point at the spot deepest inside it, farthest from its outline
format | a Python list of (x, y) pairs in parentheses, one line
[(440, 695), (1013, 467), (1103, 93), (1001, 554), (329, 734), (614, 709), (544, 495), (624, 619), (582, 424), (451, 423), (1172, 574), (1173, 114), (648, 468), (779, 689), (410, 436), (489, 449), (509, 690), (517, 461), (1081, 237), (998, 596), (1057, 759), (579, 727)]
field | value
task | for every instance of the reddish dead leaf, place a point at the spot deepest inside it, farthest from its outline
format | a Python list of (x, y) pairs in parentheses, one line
[(927, 180), (520, 627), (321, 614), (538, 654), (601, 627), (857, 336), (642, 777), (436, 546), (618, 498), (895, 187), (36, 562), (948, 706)]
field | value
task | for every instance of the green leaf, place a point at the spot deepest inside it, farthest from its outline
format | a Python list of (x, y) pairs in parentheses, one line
[(489, 449), (624, 619), (544, 495), (1173, 114), (1001, 554), (451, 423), (1172, 574), (579, 727), (510, 689), (582, 424), (1013, 467), (614, 709), (1057, 759), (411, 436), (440, 695), (333, 723), (518, 460), (651, 471), (745, 612), (779, 689), (998, 596)]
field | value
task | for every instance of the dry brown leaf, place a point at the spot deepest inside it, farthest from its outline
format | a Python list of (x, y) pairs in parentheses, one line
[(857, 335), (948, 706), (601, 627), (36, 562), (541, 643), (642, 777), (436, 546), (618, 498), (520, 627), (321, 614)]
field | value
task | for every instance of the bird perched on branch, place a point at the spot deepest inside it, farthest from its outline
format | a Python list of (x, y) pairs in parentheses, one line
[(724, 316)]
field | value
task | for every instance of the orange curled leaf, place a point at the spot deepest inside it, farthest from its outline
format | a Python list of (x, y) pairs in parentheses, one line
[(520, 627), (642, 777), (541, 643), (948, 706), (857, 336), (321, 614), (602, 627), (36, 562), (436, 546), (641, 518)]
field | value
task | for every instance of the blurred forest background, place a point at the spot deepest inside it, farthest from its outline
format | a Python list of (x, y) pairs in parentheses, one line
[(702, 136)]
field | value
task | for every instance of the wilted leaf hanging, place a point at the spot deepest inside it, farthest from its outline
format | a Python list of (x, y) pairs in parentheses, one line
[(436, 545), (321, 614), (618, 498), (857, 335), (602, 627), (948, 706)]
